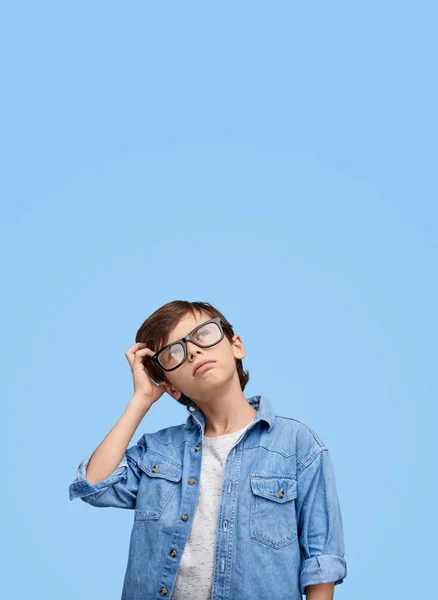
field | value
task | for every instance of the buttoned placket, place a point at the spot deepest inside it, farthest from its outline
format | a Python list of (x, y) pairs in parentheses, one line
[(227, 507), (180, 535)]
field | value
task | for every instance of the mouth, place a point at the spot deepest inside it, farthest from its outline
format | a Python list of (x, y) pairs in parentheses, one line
[(201, 366)]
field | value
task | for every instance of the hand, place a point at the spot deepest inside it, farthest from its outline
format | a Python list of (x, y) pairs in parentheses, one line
[(143, 384)]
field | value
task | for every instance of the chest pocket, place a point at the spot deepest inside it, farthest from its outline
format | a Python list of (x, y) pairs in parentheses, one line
[(273, 520), (157, 486)]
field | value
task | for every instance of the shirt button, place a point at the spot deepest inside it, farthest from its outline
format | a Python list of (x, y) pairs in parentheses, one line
[(185, 517), (163, 591), (173, 553), (197, 448), (155, 469), (280, 494), (191, 480)]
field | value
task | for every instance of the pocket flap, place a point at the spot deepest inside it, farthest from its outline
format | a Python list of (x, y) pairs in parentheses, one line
[(157, 465), (273, 487)]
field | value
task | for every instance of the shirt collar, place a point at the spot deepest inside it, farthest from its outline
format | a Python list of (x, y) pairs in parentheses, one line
[(265, 412)]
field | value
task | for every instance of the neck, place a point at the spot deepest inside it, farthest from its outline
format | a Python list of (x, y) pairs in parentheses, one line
[(226, 415)]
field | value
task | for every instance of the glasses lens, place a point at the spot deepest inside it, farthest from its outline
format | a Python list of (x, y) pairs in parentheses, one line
[(173, 356), (207, 334)]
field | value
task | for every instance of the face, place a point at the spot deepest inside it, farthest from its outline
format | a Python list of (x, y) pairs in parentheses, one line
[(211, 376)]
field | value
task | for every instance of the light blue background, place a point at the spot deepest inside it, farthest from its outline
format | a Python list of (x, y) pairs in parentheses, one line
[(274, 159)]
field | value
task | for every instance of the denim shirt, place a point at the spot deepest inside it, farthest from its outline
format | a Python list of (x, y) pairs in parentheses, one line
[(279, 527)]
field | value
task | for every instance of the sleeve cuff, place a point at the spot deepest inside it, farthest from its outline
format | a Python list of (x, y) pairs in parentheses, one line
[(325, 568), (82, 487)]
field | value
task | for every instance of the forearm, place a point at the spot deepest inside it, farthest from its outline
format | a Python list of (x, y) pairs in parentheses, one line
[(320, 591), (110, 451)]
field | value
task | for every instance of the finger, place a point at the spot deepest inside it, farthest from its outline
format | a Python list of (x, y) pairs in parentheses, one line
[(143, 352), (140, 354), (135, 347), (131, 352)]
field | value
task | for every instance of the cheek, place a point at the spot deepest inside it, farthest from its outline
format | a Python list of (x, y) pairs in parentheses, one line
[(172, 379), (227, 361)]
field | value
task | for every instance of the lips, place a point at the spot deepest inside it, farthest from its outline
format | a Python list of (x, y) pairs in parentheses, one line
[(200, 365)]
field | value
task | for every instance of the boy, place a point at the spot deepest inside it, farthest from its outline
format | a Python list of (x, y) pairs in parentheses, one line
[(236, 503)]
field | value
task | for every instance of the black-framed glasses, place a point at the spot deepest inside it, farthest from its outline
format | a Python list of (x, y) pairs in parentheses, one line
[(205, 335)]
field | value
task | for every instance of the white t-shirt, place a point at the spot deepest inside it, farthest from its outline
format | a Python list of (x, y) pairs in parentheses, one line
[(194, 580)]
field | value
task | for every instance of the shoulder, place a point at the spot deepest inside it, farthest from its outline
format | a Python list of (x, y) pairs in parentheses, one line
[(175, 435), (308, 444)]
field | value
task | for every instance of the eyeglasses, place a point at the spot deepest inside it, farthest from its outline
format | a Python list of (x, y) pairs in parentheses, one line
[(205, 335)]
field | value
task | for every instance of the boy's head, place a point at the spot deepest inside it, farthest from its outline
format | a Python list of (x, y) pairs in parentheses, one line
[(174, 321)]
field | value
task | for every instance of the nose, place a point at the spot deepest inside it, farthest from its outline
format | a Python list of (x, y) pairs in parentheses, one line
[(192, 349)]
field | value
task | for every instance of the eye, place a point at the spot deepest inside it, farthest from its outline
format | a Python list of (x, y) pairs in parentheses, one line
[(175, 351)]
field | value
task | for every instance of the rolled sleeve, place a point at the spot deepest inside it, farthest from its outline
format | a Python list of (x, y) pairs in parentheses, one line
[(119, 489), (325, 568), (320, 526)]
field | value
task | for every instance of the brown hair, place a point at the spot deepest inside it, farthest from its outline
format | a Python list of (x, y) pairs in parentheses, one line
[(155, 330)]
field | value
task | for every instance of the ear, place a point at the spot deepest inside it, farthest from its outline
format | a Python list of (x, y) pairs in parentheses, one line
[(176, 394), (238, 347)]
